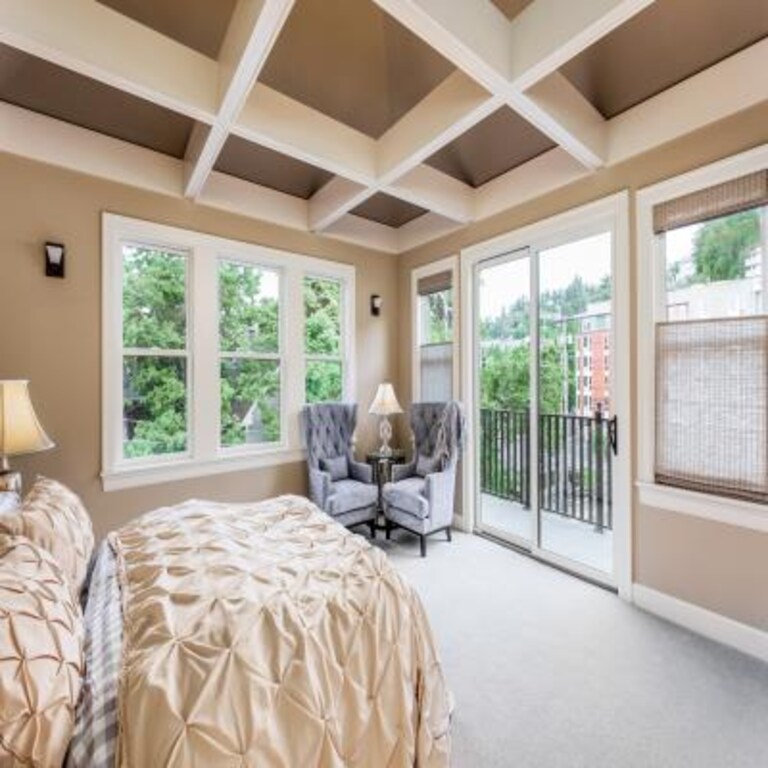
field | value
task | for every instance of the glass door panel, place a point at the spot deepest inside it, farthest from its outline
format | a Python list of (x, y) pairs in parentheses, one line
[(574, 397), (504, 388)]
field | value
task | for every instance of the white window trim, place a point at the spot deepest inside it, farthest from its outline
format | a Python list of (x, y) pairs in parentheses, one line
[(613, 213), (651, 300), (205, 456), (448, 264)]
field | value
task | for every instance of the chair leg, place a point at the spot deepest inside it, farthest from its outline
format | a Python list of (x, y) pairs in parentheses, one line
[(423, 545), (372, 525), (448, 533), (388, 529)]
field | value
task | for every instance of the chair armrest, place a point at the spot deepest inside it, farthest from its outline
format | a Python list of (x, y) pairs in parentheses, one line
[(401, 471), (440, 488), (360, 471), (319, 487)]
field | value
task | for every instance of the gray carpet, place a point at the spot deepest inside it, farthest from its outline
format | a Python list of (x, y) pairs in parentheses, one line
[(549, 671)]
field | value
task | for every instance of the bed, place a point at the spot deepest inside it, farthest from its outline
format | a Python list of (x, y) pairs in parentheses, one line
[(257, 634)]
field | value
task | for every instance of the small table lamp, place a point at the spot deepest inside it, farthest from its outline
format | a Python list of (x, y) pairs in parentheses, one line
[(385, 405), (20, 431)]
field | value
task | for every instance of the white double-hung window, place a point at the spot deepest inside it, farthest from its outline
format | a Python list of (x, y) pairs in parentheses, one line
[(703, 321), (207, 354)]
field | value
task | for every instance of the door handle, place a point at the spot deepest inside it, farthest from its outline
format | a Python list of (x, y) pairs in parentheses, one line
[(613, 434)]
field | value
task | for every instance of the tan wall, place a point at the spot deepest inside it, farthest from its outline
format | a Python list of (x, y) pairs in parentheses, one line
[(51, 328), (719, 567)]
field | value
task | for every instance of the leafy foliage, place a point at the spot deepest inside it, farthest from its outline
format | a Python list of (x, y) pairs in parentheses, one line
[(154, 318), (322, 336), (722, 246)]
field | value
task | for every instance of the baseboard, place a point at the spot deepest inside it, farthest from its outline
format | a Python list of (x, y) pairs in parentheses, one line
[(742, 637)]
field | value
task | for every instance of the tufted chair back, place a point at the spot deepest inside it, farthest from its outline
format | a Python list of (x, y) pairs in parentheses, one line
[(437, 427), (328, 430)]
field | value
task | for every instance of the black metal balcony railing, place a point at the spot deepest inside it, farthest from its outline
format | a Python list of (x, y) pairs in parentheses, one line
[(574, 463)]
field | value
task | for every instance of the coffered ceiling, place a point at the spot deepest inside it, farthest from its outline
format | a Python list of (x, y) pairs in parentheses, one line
[(383, 122)]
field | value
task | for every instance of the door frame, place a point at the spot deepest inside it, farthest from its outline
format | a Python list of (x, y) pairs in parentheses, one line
[(610, 213)]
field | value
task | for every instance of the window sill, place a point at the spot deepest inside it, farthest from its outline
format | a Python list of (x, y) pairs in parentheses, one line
[(184, 469), (742, 514)]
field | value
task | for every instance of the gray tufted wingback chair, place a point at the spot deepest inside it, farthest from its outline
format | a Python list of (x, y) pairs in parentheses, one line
[(338, 484), (420, 497)]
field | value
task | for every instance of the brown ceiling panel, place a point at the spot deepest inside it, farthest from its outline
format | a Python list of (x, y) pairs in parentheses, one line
[(270, 169), (353, 62), (388, 210), (512, 8), (198, 24), (38, 85), (494, 146), (663, 45)]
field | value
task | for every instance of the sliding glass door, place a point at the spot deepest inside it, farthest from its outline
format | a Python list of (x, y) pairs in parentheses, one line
[(544, 341)]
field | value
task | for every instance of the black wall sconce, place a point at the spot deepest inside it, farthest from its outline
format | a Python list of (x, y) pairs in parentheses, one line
[(376, 304), (54, 260)]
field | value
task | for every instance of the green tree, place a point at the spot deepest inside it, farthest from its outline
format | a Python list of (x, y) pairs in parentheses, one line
[(322, 336), (249, 323), (154, 321), (722, 247)]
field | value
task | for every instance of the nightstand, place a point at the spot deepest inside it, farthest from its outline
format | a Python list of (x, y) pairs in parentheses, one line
[(382, 470)]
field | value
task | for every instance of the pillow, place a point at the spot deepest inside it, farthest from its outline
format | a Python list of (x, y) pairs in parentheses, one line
[(427, 465), (9, 501), (337, 467), (41, 655), (54, 518)]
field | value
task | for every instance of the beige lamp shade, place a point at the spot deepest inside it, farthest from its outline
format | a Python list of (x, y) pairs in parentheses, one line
[(20, 431), (385, 403)]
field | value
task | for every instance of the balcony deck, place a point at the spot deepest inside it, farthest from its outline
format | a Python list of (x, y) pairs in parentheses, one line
[(564, 536)]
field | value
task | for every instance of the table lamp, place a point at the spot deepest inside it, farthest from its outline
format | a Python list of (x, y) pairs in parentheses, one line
[(20, 431), (385, 405)]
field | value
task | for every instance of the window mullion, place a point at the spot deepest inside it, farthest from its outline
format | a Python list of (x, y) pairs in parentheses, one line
[(204, 342), (293, 368)]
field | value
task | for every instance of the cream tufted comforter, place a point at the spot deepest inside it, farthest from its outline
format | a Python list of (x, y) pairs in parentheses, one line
[(268, 635)]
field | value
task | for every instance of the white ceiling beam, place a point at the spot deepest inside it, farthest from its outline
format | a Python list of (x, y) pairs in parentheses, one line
[(556, 103), (423, 230), (478, 39), (730, 86), (437, 192), (252, 32), (537, 177), (449, 110), (284, 125), (42, 138), (548, 33), (332, 201), (93, 40), (233, 195), (369, 234)]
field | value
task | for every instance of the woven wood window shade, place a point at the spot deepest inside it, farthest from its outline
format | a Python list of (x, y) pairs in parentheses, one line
[(732, 196), (440, 281), (712, 406)]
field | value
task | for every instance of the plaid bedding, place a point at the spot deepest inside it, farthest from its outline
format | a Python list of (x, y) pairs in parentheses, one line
[(95, 738)]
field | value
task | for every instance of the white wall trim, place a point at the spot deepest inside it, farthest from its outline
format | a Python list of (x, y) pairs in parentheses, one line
[(715, 626), (719, 509), (651, 308), (172, 472)]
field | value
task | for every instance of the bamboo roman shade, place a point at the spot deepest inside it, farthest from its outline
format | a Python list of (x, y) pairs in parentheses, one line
[(712, 406), (732, 196), (441, 281)]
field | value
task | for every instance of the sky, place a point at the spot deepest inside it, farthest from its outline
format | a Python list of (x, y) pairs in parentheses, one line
[(502, 285)]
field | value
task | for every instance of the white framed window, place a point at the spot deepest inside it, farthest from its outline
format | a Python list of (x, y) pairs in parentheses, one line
[(205, 364), (434, 313), (702, 336)]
